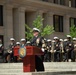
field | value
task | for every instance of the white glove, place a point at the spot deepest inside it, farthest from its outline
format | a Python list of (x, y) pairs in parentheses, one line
[(54, 50), (51, 51), (0, 45), (67, 50), (42, 49)]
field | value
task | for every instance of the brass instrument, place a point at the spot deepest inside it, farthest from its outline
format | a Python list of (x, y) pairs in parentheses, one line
[(61, 47), (61, 50), (48, 48), (52, 50), (37, 41), (44, 45)]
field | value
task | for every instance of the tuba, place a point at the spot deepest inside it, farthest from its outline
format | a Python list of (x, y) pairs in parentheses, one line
[(52, 50), (61, 47)]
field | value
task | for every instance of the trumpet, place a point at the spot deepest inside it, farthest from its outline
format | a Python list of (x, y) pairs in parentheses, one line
[(61, 47)]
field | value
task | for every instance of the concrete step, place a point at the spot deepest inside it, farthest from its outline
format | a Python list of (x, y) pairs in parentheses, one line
[(11, 65), (60, 66), (41, 73), (49, 67), (11, 70), (15, 74)]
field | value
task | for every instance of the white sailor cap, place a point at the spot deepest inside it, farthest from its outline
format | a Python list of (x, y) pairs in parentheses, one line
[(22, 39), (12, 39), (74, 38), (56, 38), (17, 43), (35, 29), (28, 41), (45, 39), (48, 40), (53, 40), (68, 36), (65, 40), (61, 39)]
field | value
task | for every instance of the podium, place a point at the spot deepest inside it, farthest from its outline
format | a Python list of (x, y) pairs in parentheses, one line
[(29, 59)]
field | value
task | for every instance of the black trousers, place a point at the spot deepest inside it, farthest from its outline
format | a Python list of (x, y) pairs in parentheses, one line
[(12, 57), (71, 55), (45, 56), (39, 63), (57, 56)]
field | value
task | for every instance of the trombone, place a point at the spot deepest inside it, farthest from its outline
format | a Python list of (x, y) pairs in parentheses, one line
[(61, 50)]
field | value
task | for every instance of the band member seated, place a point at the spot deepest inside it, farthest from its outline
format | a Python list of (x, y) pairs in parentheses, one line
[(1, 51), (28, 43), (17, 58), (9, 55), (65, 51), (49, 50), (57, 50), (1, 48), (62, 54), (70, 49), (45, 56), (23, 42), (38, 41), (74, 42)]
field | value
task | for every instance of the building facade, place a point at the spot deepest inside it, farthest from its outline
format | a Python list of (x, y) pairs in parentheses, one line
[(14, 14)]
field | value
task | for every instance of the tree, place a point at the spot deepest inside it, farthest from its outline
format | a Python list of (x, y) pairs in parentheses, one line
[(73, 31), (37, 23)]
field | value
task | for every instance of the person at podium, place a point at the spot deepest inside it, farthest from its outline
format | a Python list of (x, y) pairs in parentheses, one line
[(39, 42)]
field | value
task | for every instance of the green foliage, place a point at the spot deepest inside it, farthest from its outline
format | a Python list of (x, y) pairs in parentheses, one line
[(47, 30), (73, 31), (28, 32), (38, 23)]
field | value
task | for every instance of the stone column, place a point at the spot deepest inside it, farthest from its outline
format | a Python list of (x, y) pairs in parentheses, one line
[(73, 3), (19, 23), (40, 12), (67, 2), (58, 1), (33, 16), (51, 1), (8, 24), (49, 18), (66, 24)]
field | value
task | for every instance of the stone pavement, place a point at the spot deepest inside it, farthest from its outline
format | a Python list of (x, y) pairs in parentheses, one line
[(51, 68)]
